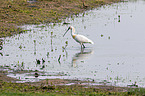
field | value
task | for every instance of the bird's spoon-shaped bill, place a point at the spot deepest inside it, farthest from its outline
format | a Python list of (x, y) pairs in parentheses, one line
[(66, 31)]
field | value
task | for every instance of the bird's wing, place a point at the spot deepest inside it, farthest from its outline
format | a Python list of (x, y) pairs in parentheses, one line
[(83, 39)]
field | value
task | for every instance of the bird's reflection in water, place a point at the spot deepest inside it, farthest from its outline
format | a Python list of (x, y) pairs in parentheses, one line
[(83, 54)]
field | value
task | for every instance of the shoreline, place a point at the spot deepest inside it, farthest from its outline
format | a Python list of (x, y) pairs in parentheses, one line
[(61, 86), (56, 87), (14, 13)]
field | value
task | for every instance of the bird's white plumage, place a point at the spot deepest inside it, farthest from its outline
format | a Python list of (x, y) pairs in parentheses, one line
[(79, 38), (83, 39)]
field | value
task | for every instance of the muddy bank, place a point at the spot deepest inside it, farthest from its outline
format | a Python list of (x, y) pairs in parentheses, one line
[(60, 82), (56, 86), (14, 13), (4, 78), (8, 86)]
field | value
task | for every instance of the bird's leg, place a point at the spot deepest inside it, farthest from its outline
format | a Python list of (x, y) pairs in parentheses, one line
[(82, 50), (83, 45)]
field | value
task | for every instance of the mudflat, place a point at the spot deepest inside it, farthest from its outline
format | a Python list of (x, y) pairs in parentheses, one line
[(14, 13)]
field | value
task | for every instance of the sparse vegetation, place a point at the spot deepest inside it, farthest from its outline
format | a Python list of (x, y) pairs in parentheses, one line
[(23, 89), (14, 13), (49, 87)]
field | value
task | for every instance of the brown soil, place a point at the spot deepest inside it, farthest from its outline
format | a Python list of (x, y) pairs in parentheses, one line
[(62, 82), (14, 13)]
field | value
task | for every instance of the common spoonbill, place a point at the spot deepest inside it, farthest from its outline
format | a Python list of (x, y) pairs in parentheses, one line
[(78, 38)]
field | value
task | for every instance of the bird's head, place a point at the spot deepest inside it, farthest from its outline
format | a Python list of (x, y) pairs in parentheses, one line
[(69, 28)]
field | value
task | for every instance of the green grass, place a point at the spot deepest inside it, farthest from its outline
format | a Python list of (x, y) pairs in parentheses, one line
[(27, 94), (16, 89), (14, 13)]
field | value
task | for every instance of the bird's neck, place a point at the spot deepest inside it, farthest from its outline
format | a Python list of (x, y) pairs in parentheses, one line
[(73, 31)]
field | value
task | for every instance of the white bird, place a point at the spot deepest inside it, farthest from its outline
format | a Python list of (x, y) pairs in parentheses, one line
[(78, 38)]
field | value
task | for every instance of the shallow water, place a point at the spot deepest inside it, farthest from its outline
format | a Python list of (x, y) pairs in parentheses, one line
[(116, 58)]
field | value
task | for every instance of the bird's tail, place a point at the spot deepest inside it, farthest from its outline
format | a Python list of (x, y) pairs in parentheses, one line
[(91, 42)]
